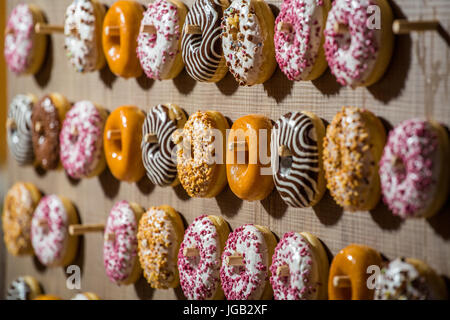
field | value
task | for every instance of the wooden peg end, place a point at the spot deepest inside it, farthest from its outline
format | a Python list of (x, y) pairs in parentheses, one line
[(192, 29), (149, 29), (235, 260), (151, 138), (114, 134), (11, 124), (190, 252), (340, 28), (284, 151), (284, 26), (342, 282), (110, 236), (239, 146), (38, 127), (113, 31), (283, 271)]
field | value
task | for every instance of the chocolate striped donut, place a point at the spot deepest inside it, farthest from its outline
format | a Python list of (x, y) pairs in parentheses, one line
[(296, 177), (202, 54), (157, 157), (19, 129)]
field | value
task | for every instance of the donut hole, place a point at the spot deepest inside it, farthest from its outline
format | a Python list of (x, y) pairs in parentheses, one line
[(399, 168), (117, 145), (285, 165)]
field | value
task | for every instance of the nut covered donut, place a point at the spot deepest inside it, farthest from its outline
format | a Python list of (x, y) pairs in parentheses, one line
[(19, 204), (199, 258), (120, 32), (50, 237), (159, 237), (297, 158), (19, 128), (349, 275), (414, 169), (201, 42), (299, 38), (159, 40), (246, 261), (357, 50), (24, 48), (201, 154), (157, 145), (299, 268), (120, 246), (83, 35), (121, 140), (81, 140), (352, 149), (46, 119), (247, 41), (245, 167)]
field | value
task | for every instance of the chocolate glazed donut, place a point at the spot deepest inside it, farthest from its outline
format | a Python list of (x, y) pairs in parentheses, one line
[(202, 53)]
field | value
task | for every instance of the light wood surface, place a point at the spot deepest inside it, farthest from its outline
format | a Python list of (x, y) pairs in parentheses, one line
[(416, 84)]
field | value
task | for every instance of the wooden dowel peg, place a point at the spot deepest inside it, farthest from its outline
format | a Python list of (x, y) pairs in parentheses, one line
[(74, 131), (403, 26), (11, 124), (284, 27), (78, 229), (342, 282), (238, 146), (151, 138), (177, 137), (113, 31), (114, 134), (284, 151), (42, 223), (38, 127), (8, 31), (340, 28), (149, 29), (43, 28), (110, 236), (190, 252), (192, 29), (283, 271), (235, 260)]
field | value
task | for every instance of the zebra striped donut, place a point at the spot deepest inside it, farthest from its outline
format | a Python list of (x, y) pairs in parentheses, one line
[(157, 157), (19, 129), (298, 177), (202, 54)]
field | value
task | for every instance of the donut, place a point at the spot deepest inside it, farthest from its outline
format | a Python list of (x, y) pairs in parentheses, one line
[(157, 145), (121, 140), (23, 288), (409, 279), (159, 40), (414, 169), (299, 38), (47, 297), (297, 158), (353, 146), (199, 258), (86, 296), (247, 41), (120, 246), (83, 35), (52, 244), (18, 127), (200, 162), (18, 207), (201, 42), (299, 268), (357, 51), (245, 170), (246, 260), (159, 237), (24, 49), (120, 32), (46, 121), (81, 140), (348, 273)]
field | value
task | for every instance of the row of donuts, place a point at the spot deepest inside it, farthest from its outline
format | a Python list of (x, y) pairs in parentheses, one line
[(305, 38), (351, 156), (207, 259)]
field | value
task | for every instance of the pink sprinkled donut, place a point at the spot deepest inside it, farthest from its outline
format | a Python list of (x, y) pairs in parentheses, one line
[(81, 140), (414, 169), (200, 270), (245, 263), (24, 49), (299, 38), (50, 238), (120, 245), (299, 268), (358, 50)]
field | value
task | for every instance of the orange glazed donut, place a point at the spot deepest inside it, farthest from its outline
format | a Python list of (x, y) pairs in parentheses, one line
[(122, 142), (244, 166), (348, 273), (120, 31)]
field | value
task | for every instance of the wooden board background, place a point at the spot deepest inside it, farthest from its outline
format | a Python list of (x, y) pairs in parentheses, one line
[(417, 82)]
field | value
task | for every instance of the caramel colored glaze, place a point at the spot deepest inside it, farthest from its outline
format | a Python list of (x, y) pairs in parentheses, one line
[(246, 179), (47, 297), (123, 155), (120, 51), (353, 261)]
